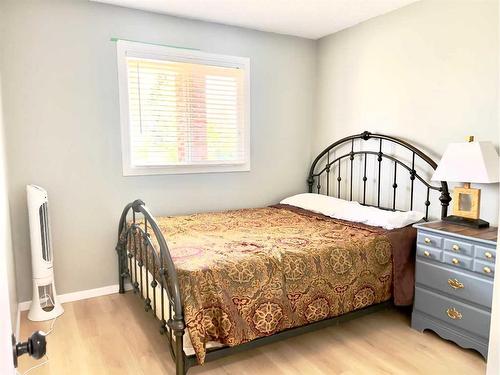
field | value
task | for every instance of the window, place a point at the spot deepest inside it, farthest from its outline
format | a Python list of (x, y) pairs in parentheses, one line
[(182, 111)]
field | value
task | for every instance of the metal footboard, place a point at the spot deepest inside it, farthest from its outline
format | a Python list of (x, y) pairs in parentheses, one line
[(152, 274)]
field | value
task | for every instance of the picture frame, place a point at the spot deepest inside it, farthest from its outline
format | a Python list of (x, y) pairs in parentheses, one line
[(466, 202)]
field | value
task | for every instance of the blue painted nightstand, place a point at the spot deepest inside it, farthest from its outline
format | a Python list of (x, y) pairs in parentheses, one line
[(455, 268)]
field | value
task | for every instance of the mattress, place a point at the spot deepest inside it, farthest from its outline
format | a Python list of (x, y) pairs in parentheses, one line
[(246, 274)]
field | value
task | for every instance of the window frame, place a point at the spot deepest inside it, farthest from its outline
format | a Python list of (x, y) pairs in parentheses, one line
[(157, 52)]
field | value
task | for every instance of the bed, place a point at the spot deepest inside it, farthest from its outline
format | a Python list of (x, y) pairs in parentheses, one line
[(223, 282)]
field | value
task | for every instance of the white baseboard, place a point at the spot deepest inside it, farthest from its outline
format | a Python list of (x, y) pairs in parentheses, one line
[(23, 306), (77, 296)]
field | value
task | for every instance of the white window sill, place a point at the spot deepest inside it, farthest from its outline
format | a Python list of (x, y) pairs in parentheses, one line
[(184, 169)]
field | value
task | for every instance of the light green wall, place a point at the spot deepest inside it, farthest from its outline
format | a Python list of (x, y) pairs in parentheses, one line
[(427, 72), (61, 105)]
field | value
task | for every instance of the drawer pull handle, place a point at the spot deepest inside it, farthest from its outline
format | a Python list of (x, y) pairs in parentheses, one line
[(456, 248), (427, 254), (487, 270), (488, 255), (454, 314), (455, 261), (455, 284), (427, 240)]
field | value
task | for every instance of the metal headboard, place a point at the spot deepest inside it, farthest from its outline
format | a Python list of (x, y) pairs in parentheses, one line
[(333, 164)]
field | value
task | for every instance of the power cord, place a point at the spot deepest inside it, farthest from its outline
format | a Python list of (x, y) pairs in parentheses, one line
[(53, 321), (39, 365), (46, 297)]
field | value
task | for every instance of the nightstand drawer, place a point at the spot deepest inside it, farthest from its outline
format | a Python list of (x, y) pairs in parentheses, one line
[(427, 239), (458, 247), (484, 268), (455, 283), (458, 314), (429, 253), (486, 253), (458, 261)]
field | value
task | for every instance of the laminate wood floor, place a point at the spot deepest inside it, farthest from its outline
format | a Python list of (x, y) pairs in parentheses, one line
[(114, 335)]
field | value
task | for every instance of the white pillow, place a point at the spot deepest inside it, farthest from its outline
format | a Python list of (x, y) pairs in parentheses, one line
[(384, 218), (353, 211), (321, 204)]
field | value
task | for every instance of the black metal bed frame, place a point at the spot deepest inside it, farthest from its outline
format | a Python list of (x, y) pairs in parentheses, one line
[(137, 253)]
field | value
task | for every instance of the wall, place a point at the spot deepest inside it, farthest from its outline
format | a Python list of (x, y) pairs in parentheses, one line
[(494, 344), (59, 68), (426, 72)]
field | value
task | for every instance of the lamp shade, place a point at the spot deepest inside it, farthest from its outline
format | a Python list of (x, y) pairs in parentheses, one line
[(468, 162)]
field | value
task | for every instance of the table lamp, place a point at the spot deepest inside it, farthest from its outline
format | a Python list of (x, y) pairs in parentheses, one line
[(469, 162)]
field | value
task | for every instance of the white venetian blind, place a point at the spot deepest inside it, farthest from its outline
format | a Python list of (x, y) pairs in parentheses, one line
[(184, 113)]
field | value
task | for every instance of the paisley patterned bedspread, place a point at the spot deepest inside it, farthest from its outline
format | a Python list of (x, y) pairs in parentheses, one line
[(249, 273)]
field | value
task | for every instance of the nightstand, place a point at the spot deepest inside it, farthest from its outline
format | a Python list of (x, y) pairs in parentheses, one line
[(455, 268)]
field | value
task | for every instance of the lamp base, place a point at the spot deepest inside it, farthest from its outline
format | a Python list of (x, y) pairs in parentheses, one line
[(473, 223)]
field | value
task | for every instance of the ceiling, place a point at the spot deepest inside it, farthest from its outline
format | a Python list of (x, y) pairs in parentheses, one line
[(305, 18)]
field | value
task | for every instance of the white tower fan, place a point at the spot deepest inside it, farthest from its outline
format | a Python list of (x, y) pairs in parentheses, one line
[(44, 305)]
